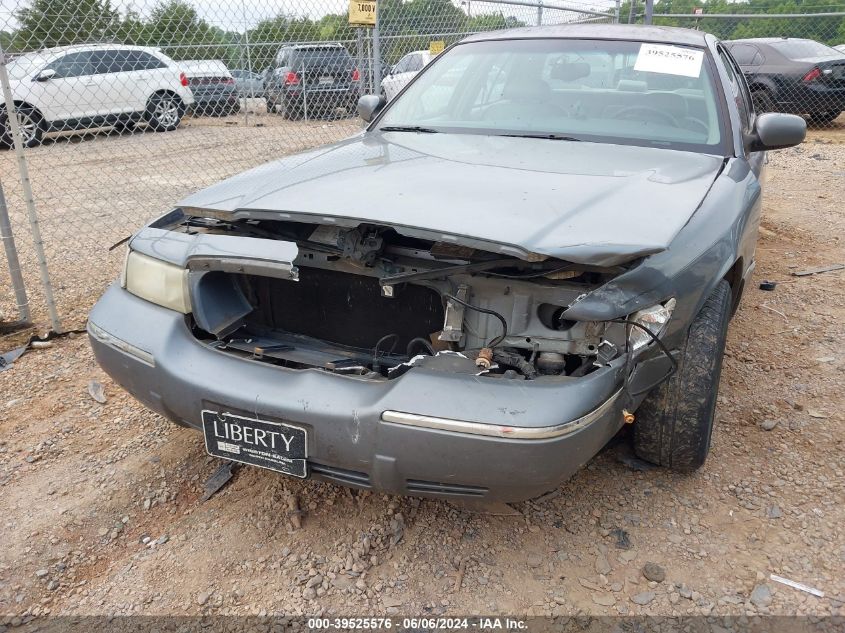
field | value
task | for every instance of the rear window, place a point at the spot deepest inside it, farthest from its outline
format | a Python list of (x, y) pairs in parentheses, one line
[(798, 50), (309, 56)]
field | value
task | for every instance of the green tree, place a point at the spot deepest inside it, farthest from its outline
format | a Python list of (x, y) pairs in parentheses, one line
[(48, 23), (335, 27), (268, 36), (828, 29), (492, 22), (175, 26)]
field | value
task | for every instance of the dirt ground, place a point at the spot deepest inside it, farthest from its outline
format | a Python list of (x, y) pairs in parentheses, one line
[(102, 511)]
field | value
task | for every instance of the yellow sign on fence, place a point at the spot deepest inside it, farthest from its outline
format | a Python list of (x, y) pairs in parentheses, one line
[(362, 13), (436, 47)]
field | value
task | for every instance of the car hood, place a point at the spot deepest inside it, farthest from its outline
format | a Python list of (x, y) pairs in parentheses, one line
[(583, 202)]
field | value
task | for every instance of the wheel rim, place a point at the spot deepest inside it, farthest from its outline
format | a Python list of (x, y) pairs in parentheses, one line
[(28, 126), (166, 112)]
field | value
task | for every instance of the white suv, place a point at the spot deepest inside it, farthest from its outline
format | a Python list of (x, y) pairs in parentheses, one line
[(77, 87)]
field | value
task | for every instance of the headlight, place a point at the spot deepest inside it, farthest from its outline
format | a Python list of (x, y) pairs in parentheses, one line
[(654, 318), (157, 281)]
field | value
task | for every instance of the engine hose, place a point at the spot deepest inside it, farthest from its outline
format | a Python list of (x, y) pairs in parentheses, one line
[(514, 359), (419, 341)]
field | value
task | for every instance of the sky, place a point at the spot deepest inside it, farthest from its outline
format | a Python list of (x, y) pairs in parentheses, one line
[(234, 15)]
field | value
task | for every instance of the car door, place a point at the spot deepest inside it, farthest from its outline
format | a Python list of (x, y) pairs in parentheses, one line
[(395, 81), (739, 93), (145, 74), (69, 93), (114, 83), (101, 95), (742, 97)]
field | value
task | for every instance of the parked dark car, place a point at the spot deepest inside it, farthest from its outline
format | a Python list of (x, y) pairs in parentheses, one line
[(793, 75), (312, 80), (213, 86), (541, 239)]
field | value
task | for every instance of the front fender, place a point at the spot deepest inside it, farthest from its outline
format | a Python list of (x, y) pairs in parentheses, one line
[(702, 254)]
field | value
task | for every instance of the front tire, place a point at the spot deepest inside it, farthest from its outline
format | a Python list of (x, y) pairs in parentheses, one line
[(763, 102), (674, 424), (164, 112), (31, 125), (289, 111)]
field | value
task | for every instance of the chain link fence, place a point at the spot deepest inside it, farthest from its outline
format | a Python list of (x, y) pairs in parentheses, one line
[(123, 108), (788, 58)]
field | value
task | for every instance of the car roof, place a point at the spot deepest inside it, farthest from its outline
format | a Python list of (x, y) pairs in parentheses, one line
[(636, 32), (323, 45), (768, 40), (96, 47)]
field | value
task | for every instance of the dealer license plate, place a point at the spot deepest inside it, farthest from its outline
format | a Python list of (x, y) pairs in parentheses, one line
[(272, 445), (326, 80)]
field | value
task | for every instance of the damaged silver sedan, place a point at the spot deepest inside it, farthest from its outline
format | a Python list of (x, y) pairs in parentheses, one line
[(541, 239)]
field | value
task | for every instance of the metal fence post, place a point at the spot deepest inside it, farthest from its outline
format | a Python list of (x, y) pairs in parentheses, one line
[(8, 241), (376, 52), (618, 4), (363, 88), (12, 119), (248, 63), (649, 11), (540, 13)]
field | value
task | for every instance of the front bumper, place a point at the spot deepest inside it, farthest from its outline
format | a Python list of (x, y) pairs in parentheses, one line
[(523, 438), (810, 98), (319, 98)]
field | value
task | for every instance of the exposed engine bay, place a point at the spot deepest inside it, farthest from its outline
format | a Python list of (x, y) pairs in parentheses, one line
[(368, 301)]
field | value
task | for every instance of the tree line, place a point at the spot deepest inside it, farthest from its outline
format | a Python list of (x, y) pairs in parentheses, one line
[(177, 27), (827, 29)]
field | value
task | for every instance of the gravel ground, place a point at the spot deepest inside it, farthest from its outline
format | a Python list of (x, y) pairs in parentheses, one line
[(102, 510)]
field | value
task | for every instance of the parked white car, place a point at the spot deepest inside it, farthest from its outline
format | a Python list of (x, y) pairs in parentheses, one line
[(404, 70), (78, 87), (840, 48)]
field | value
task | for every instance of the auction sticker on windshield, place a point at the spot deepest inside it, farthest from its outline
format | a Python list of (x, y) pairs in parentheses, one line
[(669, 60), (272, 445)]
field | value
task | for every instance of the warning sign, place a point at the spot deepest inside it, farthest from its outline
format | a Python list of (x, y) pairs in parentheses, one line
[(362, 13)]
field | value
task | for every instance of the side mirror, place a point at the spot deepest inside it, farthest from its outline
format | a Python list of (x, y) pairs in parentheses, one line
[(369, 105), (774, 130), (45, 75)]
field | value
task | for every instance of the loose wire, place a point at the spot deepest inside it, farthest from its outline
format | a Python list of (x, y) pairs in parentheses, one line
[(654, 338), (496, 341)]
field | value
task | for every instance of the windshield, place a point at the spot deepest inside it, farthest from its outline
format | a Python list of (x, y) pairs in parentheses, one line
[(601, 91), (26, 65), (798, 50)]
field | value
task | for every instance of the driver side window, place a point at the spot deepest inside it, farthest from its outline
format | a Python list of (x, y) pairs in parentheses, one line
[(402, 65), (72, 65), (739, 90), (415, 64)]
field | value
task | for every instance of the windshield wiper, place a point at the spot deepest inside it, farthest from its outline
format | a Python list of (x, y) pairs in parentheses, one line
[(551, 137), (407, 128)]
